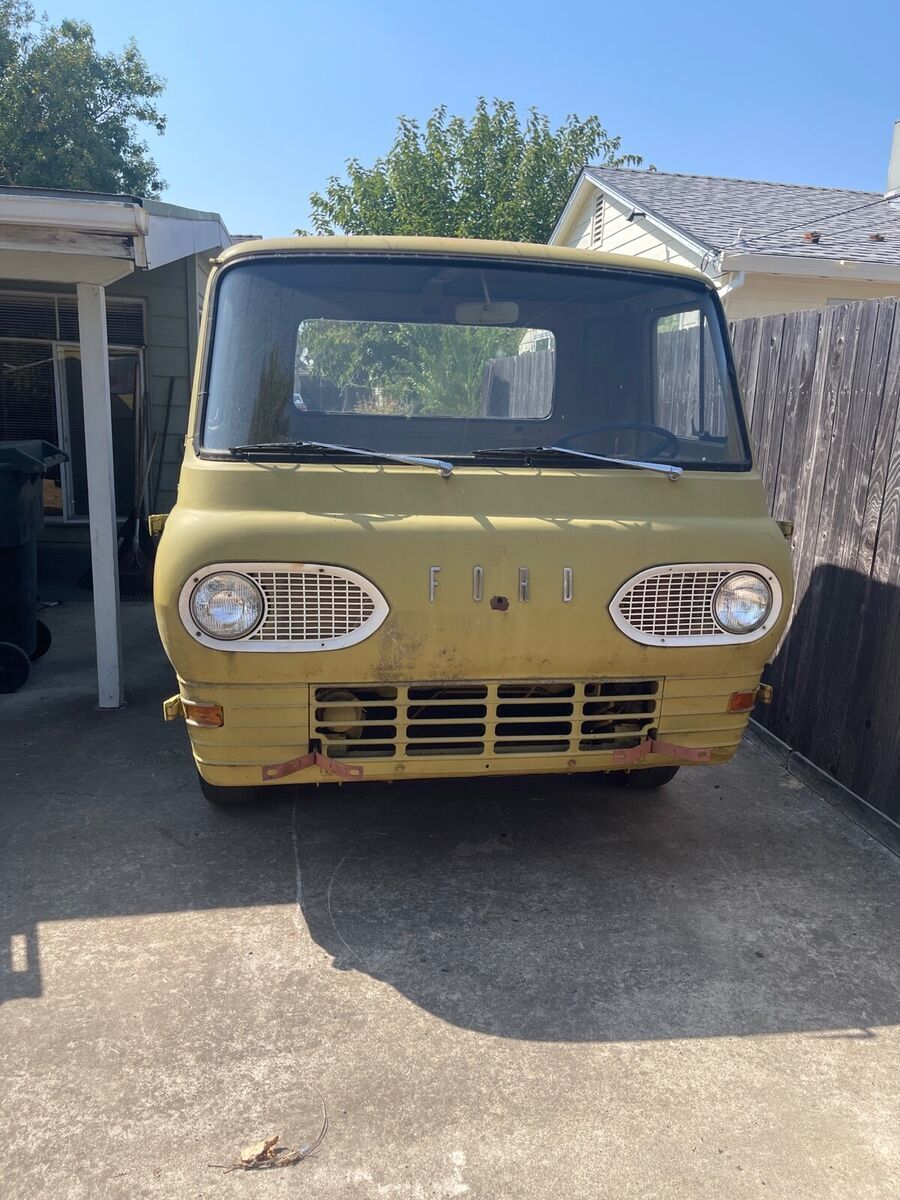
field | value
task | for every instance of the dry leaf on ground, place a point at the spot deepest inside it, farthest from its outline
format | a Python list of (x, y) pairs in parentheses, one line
[(267, 1153)]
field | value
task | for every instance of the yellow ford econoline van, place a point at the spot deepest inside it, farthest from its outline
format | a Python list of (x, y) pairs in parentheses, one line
[(452, 508)]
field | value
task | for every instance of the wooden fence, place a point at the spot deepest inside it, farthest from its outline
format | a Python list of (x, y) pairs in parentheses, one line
[(822, 391), (689, 396), (520, 385)]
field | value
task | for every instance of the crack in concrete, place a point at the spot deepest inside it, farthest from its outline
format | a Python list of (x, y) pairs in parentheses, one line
[(344, 941)]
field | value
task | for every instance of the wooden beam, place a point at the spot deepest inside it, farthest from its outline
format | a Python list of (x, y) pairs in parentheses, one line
[(35, 238)]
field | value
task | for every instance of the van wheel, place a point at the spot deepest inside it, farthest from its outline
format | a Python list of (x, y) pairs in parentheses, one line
[(14, 667), (649, 777), (43, 641), (228, 797)]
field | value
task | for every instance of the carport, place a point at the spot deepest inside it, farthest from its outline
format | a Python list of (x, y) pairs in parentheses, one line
[(91, 241)]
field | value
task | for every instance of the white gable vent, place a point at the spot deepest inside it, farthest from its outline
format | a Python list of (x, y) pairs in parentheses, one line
[(597, 221)]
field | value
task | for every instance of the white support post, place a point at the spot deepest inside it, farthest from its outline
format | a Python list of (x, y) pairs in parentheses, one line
[(101, 491)]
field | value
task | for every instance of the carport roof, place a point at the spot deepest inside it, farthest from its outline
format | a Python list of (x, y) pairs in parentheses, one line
[(47, 229), (151, 205)]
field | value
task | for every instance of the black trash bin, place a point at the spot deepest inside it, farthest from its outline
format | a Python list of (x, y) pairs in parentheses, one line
[(22, 637)]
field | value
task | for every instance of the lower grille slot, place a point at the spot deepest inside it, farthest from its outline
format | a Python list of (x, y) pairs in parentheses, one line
[(470, 691), (445, 731), (443, 749), (446, 712), (528, 729), (612, 737), (367, 750), (535, 709), (528, 746), (623, 707), (528, 691), (627, 688)]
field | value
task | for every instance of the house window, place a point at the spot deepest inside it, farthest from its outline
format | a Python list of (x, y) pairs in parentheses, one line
[(40, 390), (28, 404), (597, 222)]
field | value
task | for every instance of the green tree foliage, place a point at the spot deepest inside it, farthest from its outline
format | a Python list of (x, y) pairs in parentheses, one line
[(375, 366), (491, 176), (70, 116)]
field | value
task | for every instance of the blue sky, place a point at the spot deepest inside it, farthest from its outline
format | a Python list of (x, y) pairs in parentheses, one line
[(266, 101)]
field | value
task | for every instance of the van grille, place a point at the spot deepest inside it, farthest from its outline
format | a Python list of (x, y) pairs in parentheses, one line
[(310, 606), (416, 720), (673, 604)]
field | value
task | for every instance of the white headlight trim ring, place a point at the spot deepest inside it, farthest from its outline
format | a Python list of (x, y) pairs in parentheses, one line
[(716, 636), (271, 578)]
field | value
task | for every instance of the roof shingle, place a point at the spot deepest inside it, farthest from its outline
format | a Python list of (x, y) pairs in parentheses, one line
[(751, 216)]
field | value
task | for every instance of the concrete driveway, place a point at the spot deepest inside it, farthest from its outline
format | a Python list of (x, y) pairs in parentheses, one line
[(508, 988)]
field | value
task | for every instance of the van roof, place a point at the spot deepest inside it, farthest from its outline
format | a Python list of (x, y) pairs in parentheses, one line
[(464, 247)]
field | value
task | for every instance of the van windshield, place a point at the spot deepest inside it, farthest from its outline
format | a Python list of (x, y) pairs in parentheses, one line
[(453, 357)]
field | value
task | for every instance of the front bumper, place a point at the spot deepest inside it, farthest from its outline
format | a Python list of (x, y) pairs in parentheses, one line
[(459, 729)]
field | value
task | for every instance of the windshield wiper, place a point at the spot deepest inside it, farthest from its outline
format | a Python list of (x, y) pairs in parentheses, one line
[(667, 469), (413, 460)]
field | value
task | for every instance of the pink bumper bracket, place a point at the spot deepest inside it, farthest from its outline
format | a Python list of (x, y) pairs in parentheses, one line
[(667, 749), (315, 758)]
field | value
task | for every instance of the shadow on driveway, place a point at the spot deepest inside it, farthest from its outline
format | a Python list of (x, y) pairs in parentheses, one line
[(732, 902)]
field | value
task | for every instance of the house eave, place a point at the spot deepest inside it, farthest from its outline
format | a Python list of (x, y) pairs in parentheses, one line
[(822, 268)]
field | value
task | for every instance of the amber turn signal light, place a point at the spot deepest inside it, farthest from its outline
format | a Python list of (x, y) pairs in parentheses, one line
[(741, 701), (203, 714)]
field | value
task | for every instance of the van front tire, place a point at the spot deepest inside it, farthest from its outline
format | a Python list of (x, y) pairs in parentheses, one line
[(43, 641), (649, 778), (228, 797)]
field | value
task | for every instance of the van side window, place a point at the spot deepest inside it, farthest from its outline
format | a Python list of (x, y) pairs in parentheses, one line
[(689, 398)]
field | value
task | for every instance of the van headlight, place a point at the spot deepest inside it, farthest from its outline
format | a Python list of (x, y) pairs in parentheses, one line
[(227, 605), (742, 602)]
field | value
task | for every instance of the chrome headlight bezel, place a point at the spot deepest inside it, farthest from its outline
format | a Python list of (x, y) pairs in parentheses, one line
[(251, 594), (748, 579)]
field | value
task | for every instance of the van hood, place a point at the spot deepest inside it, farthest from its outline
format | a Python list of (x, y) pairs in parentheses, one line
[(418, 538)]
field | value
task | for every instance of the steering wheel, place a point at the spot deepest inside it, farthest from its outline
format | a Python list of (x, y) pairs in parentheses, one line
[(667, 440)]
